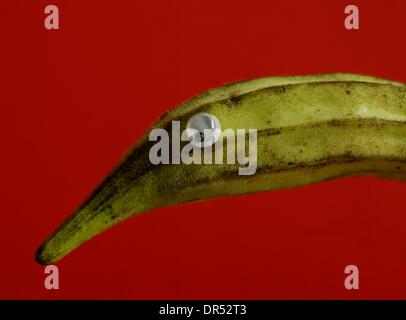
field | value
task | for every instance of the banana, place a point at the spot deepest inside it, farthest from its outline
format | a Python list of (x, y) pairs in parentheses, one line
[(310, 129)]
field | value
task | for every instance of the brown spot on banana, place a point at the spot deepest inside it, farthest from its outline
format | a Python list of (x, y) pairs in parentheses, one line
[(310, 129)]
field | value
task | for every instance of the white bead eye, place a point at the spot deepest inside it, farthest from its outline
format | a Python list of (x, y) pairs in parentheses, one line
[(203, 130)]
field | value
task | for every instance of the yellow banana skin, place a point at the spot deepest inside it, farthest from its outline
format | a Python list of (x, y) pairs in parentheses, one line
[(310, 129)]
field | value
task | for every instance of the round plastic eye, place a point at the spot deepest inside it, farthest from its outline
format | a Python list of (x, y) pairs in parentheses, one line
[(203, 130)]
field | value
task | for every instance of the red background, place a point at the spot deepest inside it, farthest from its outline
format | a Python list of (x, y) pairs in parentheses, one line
[(74, 100)]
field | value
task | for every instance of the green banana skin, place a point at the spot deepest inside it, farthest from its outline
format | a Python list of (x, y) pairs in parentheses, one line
[(310, 129)]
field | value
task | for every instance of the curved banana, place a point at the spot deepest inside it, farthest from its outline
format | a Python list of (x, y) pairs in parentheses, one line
[(310, 129)]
